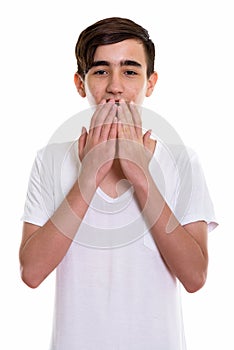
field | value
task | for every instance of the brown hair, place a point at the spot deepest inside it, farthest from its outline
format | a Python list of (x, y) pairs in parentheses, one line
[(110, 31)]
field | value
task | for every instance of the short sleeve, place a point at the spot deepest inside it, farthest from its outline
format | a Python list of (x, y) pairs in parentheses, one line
[(193, 198), (39, 203)]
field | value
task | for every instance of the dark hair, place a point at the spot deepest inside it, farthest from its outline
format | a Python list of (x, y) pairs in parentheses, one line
[(110, 31)]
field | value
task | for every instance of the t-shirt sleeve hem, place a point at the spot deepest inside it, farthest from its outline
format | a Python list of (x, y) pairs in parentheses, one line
[(33, 220), (211, 222)]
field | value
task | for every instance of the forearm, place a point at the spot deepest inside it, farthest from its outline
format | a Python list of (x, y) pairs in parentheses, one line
[(45, 248), (179, 249)]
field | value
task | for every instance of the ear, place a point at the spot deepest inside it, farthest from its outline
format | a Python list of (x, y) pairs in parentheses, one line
[(151, 83), (79, 83)]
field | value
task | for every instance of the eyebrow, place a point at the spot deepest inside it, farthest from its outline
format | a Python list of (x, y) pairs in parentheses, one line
[(122, 63)]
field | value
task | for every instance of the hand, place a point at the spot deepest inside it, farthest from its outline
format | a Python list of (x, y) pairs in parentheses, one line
[(134, 147), (97, 148)]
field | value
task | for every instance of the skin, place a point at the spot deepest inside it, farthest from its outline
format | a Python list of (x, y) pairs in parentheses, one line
[(111, 150)]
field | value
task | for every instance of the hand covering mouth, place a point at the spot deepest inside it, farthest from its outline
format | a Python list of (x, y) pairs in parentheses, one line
[(116, 101)]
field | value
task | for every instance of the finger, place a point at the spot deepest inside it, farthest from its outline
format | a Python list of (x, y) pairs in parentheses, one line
[(127, 125), (103, 117), (93, 119), (147, 139), (107, 124), (113, 130), (136, 119), (124, 113), (120, 132), (81, 142)]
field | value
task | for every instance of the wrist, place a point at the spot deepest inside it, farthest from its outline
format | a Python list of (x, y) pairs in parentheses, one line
[(86, 183), (140, 179)]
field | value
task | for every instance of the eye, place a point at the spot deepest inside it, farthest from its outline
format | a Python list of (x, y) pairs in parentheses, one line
[(130, 72), (101, 72)]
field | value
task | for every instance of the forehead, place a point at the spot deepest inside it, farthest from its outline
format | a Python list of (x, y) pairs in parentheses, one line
[(129, 49)]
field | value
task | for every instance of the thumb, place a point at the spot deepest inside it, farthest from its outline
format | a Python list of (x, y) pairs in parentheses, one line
[(146, 139)]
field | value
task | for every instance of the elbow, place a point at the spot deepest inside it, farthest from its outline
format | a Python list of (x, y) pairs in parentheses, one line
[(29, 278), (195, 282)]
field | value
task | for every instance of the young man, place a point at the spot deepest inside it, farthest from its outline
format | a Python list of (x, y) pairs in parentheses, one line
[(96, 210)]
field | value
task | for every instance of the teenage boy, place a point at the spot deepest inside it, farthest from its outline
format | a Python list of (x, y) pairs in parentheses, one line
[(116, 296)]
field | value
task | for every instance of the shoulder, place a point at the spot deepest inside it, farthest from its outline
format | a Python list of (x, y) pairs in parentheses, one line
[(57, 152), (179, 154)]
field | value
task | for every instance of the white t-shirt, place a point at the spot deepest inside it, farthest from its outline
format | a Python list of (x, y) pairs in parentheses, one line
[(113, 290)]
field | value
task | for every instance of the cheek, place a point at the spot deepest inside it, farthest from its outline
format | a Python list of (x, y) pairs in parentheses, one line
[(139, 96), (92, 93), (139, 92)]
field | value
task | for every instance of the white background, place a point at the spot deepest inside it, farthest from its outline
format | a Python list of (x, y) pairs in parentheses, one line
[(194, 44)]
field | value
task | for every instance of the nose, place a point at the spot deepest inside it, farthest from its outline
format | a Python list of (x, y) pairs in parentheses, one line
[(115, 84)]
